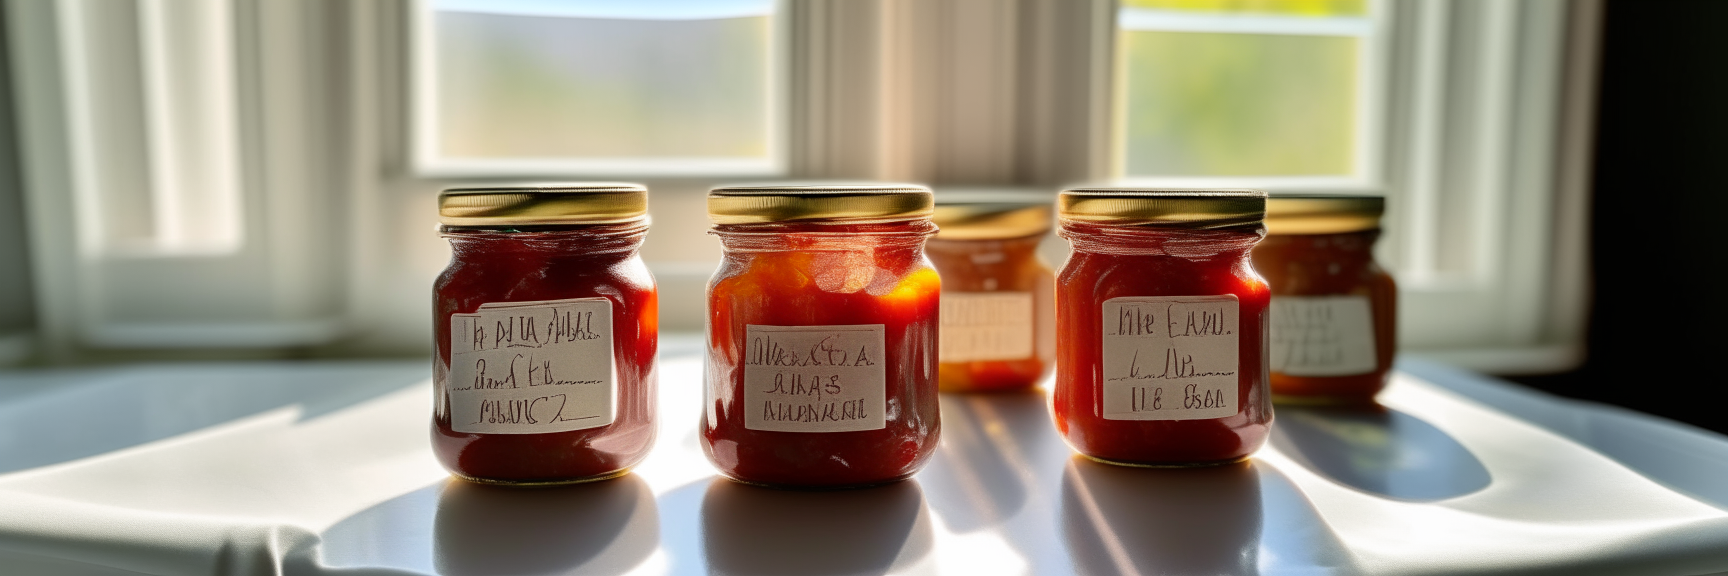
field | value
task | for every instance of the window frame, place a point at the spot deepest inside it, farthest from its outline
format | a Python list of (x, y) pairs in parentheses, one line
[(1480, 123), (97, 300)]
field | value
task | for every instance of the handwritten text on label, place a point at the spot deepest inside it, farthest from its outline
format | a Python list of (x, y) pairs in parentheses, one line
[(1170, 357), (814, 378), (532, 367)]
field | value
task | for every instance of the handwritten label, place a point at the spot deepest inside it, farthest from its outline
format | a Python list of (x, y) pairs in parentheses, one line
[(986, 326), (1322, 335), (1170, 357), (815, 378), (532, 367)]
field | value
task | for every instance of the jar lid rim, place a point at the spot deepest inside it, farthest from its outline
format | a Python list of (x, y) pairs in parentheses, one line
[(549, 203), (1163, 207), (838, 202), (1312, 213), (987, 220), (1164, 192), (817, 188), (544, 187)]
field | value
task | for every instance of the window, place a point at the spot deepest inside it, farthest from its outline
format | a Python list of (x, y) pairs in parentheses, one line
[(325, 130), (1244, 87), (1449, 109), (597, 86)]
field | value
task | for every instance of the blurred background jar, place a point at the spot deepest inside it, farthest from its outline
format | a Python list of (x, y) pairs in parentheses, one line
[(998, 295), (546, 323), (1334, 309)]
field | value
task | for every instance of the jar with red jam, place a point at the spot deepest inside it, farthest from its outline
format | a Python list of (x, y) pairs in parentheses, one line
[(1334, 309), (998, 297), (1161, 359), (545, 324), (822, 332)]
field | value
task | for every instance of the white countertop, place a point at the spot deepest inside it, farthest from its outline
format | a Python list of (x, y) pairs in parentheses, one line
[(315, 467)]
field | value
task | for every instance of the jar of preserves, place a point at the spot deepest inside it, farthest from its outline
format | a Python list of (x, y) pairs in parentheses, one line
[(821, 367), (998, 297), (545, 325), (1334, 310), (1162, 357)]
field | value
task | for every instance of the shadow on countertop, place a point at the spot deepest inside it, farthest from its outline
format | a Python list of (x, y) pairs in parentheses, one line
[(1379, 450)]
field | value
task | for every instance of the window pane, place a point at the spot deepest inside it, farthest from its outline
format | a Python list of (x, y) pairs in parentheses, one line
[(602, 79), (1227, 104), (1284, 7)]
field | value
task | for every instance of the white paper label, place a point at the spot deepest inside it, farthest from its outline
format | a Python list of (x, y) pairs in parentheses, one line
[(532, 367), (1170, 357), (815, 378), (1322, 335), (986, 326)]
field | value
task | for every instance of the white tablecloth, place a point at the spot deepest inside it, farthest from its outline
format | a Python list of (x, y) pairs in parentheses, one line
[(301, 468)]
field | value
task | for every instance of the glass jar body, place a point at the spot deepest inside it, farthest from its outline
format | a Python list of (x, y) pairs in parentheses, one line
[(1328, 286), (810, 325), (998, 305), (1153, 284), (594, 265)]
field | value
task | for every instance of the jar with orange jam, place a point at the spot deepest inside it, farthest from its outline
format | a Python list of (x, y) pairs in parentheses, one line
[(1161, 359), (1334, 309), (545, 327), (998, 296), (822, 335)]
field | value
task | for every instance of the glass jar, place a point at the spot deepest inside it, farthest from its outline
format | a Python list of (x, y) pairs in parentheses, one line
[(821, 335), (1162, 359), (545, 323), (1334, 309), (998, 296)]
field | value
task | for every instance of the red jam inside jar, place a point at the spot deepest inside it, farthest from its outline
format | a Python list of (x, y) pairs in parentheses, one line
[(821, 336), (1162, 360), (1334, 309), (998, 296), (546, 328)]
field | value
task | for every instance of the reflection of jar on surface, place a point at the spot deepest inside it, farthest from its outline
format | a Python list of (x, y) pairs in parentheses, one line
[(822, 330), (1206, 520), (1334, 310), (997, 296), (593, 528), (1162, 356), (748, 530), (546, 325)]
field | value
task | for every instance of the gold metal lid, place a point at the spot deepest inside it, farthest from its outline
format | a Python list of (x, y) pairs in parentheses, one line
[(852, 203), (542, 204), (1164, 207), (1323, 213), (990, 220)]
